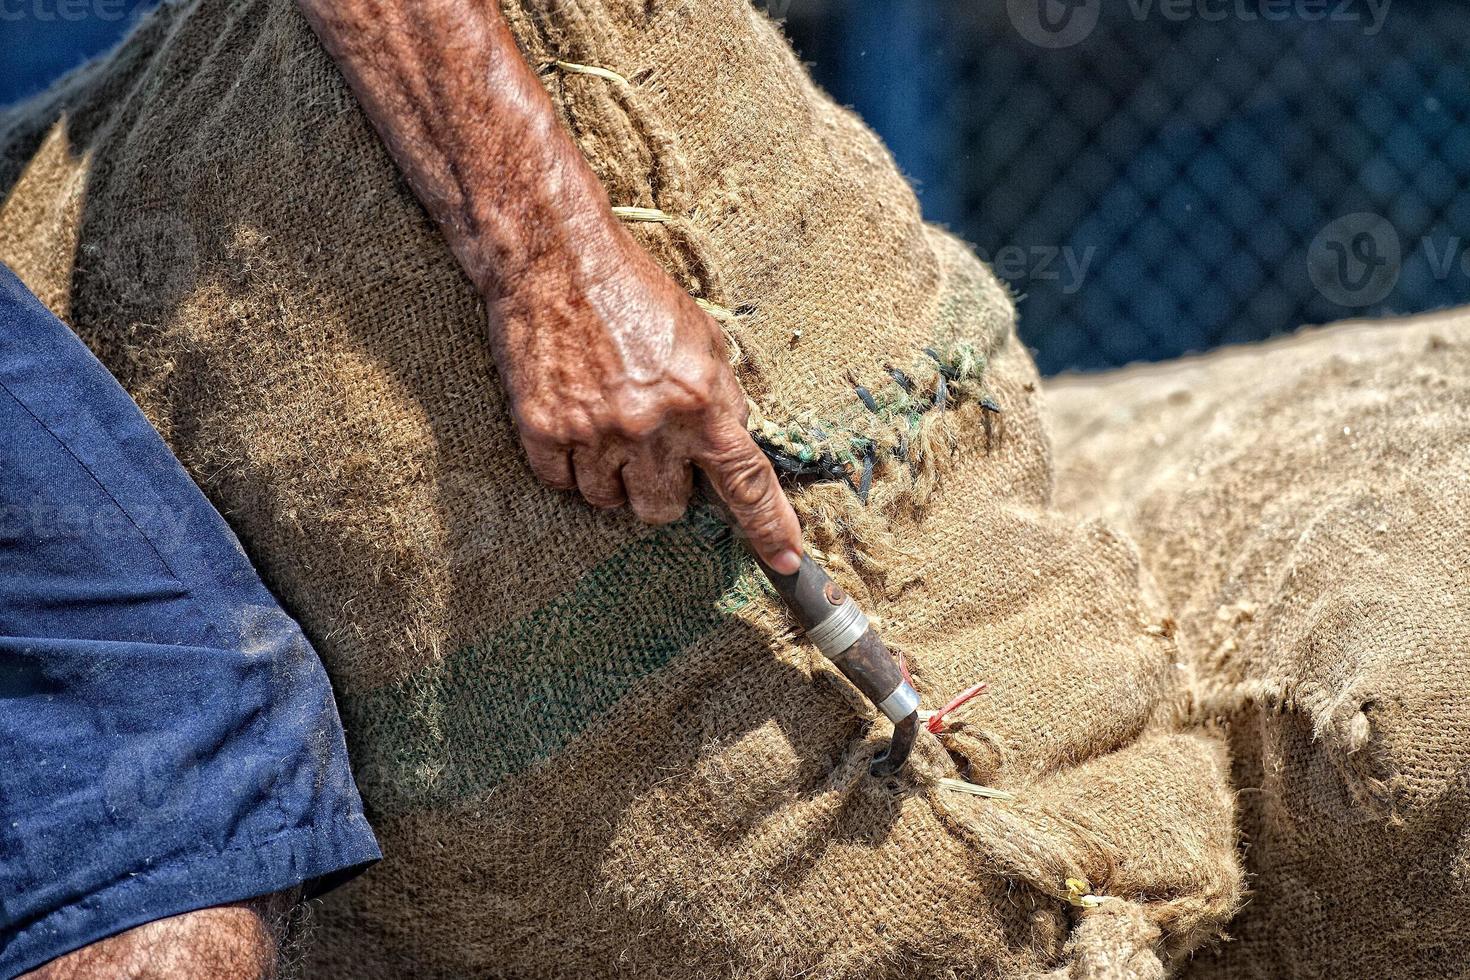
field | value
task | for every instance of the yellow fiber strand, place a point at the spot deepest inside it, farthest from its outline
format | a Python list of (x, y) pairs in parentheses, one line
[(576, 69), (641, 214), (960, 786)]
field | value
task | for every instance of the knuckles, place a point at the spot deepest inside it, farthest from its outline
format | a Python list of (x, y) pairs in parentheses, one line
[(636, 423), (592, 406), (546, 425), (634, 417), (744, 480)]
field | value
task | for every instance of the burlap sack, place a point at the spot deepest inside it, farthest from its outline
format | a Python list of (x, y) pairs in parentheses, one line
[(591, 748), (1304, 506)]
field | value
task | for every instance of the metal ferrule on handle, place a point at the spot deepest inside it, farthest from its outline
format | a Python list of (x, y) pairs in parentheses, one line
[(834, 623)]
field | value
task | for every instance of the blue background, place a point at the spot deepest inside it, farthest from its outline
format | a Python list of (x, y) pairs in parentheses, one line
[(1184, 167)]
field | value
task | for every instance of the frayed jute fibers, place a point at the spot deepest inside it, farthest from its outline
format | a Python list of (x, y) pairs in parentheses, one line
[(592, 748), (1305, 507)]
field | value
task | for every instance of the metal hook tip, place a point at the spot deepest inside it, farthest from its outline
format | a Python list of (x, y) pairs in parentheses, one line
[(892, 759)]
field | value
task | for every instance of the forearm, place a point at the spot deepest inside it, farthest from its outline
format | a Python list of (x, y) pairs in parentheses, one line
[(611, 369), (468, 123)]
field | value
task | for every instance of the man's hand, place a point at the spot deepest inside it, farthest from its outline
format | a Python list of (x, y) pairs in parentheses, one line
[(619, 387), (618, 382)]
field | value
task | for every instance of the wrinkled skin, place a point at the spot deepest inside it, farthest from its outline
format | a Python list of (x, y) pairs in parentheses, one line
[(618, 381)]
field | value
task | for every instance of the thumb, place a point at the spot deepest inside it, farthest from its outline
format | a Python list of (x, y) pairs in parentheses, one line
[(745, 481)]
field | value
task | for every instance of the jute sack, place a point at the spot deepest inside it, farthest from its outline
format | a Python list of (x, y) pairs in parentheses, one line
[(1304, 507), (591, 748)]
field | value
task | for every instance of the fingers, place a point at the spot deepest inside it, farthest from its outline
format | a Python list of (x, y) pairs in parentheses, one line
[(744, 479), (658, 484), (656, 479), (598, 472), (551, 464)]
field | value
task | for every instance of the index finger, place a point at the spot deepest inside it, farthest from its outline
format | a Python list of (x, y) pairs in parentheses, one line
[(746, 482)]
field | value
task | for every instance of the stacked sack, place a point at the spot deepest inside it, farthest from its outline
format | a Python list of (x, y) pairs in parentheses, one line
[(1303, 506), (590, 747)]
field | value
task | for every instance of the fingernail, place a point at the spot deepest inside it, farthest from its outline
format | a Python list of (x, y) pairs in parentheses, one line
[(786, 562)]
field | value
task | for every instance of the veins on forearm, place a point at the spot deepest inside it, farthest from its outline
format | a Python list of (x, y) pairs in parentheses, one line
[(467, 122)]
